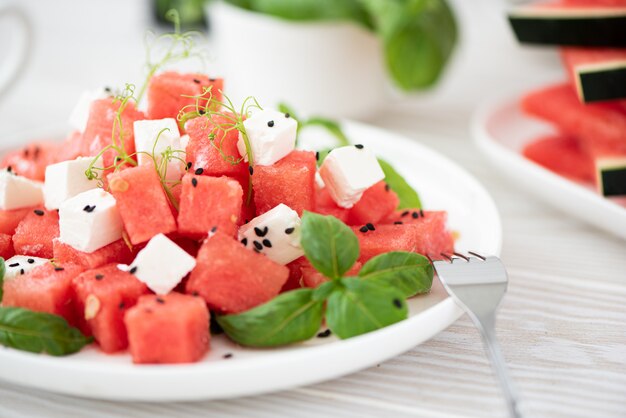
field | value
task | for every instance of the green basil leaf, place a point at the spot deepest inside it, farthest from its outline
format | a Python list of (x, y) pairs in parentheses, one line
[(324, 290), (329, 245), (3, 270), (288, 318), (361, 306), (409, 199), (39, 332), (410, 273)]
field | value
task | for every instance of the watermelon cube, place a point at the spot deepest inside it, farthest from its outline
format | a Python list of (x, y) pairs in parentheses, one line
[(325, 205), (6, 246), (71, 148), (233, 279), (47, 288), (385, 238), (34, 234), (116, 252), (209, 202), (313, 278), (562, 154), (32, 160), (290, 180), (167, 90), (432, 236), (10, 219), (142, 203), (377, 202), (102, 297), (295, 274), (173, 328)]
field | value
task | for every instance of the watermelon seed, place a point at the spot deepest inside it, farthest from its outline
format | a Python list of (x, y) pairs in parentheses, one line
[(270, 123), (30, 261), (188, 165), (202, 111), (57, 268), (261, 232), (397, 223), (199, 171), (415, 215), (245, 241), (258, 245), (387, 187), (14, 264), (289, 231), (195, 80), (212, 79), (359, 146), (267, 243), (324, 334), (38, 212), (406, 212), (370, 227), (317, 155), (99, 276), (89, 209), (133, 270), (287, 115), (228, 355), (122, 305), (92, 306), (194, 182), (397, 303), (214, 230), (195, 293), (160, 300), (9, 169), (26, 150), (364, 229), (36, 152), (421, 213), (22, 272), (251, 170)]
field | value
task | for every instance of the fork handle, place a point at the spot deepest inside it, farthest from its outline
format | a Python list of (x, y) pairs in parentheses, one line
[(486, 325)]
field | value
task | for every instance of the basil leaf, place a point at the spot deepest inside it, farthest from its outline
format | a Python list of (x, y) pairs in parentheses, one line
[(324, 290), (329, 245), (409, 199), (361, 306), (410, 273), (39, 332), (3, 270), (333, 127), (290, 317)]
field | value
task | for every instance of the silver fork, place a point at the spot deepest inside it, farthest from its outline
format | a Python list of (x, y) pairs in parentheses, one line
[(478, 284)]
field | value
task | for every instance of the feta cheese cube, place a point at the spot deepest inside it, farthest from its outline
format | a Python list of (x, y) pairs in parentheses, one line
[(162, 264), (19, 265), (348, 171), (67, 179), (276, 234), (80, 113), (90, 220), (272, 135), (155, 136), (184, 141), (19, 192)]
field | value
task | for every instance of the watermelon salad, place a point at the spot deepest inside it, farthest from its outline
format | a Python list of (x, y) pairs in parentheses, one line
[(588, 110), (154, 223)]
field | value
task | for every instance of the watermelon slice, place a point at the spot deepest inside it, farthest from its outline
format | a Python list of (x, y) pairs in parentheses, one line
[(102, 297), (32, 160), (168, 329), (142, 203), (46, 288), (167, 90), (313, 278), (34, 234), (233, 279), (432, 236), (295, 274), (598, 73), (290, 180), (377, 202), (116, 252), (207, 203), (561, 154), (9, 219), (325, 205), (6, 246), (385, 238)]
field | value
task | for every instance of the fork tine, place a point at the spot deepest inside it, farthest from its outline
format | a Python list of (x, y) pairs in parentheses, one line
[(464, 257), (446, 256), (477, 255)]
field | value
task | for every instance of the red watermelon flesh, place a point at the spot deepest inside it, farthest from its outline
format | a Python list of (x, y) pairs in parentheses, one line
[(376, 203), (99, 130), (313, 278), (232, 278), (166, 91), (561, 154), (102, 297), (601, 127), (71, 148), (46, 288), (168, 329), (290, 180), (386, 238), (32, 160), (6, 246), (115, 252), (597, 3), (325, 205), (142, 203), (432, 236), (9, 219), (209, 202), (295, 274), (35, 233)]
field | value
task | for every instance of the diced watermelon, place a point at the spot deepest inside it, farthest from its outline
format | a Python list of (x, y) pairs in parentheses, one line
[(209, 202), (290, 180), (142, 203), (217, 157), (325, 205), (168, 329), (46, 288), (102, 297), (232, 278), (31, 161), (295, 274), (99, 130), (386, 238), (34, 234), (167, 90), (600, 127), (313, 278), (376, 203), (71, 148), (432, 236), (6, 246), (561, 154), (116, 252), (9, 219)]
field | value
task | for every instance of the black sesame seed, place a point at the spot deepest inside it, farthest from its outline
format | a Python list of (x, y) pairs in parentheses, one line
[(211, 79), (421, 213), (99, 276), (289, 231), (201, 111), (251, 170), (387, 187), (258, 245), (256, 250), (267, 243), (133, 270), (122, 305), (415, 215), (22, 271), (359, 146), (38, 212), (245, 241), (199, 171), (89, 209), (324, 334), (270, 123), (30, 261), (261, 232), (214, 230), (317, 155), (14, 264), (188, 165), (405, 213), (364, 229), (245, 221), (57, 268), (160, 300), (228, 355), (9, 169), (397, 303), (287, 115), (194, 182), (195, 80), (370, 226), (107, 89), (397, 223)]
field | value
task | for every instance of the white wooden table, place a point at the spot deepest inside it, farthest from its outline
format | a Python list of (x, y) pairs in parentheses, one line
[(562, 324)]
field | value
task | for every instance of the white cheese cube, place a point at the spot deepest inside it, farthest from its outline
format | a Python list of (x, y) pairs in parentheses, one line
[(162, 264), (66, 179), (19, 192), (276, 234), (89, 221), (348, 171), (272, 135), (184, 141), (80, 113), (19, 265)]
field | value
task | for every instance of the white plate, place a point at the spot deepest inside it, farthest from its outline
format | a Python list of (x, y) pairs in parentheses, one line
[(501, 130), (442, 185)]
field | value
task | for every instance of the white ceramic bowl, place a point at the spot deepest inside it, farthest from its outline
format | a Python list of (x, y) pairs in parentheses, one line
[(322, 68)]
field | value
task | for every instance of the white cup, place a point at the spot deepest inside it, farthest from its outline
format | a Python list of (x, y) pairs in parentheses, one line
[(14, 57)]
